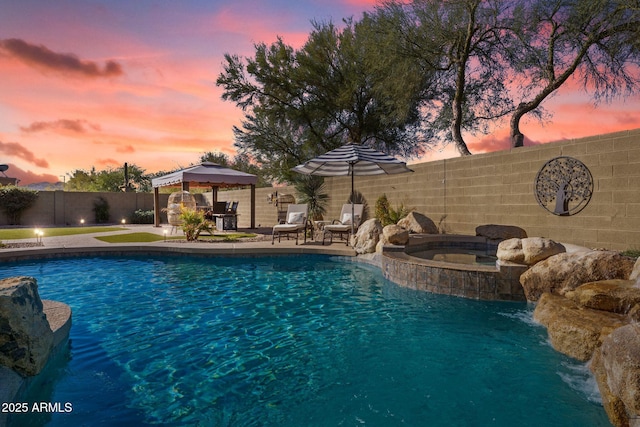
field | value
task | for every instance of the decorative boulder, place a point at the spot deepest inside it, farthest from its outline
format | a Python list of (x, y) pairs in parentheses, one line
[(617, 372), (417, 223), (634, 313), (612, 404), (573, 330), (617, 296), (536, 249), (395, 234), (26, 338), (528, 251), (367, 236), (511, 250), (566, 271), (500, 232), (635, 274), (383, 241)]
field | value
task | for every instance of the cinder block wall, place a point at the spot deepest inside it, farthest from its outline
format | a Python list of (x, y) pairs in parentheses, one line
[(69, 207), (498, 188), (457, 194)]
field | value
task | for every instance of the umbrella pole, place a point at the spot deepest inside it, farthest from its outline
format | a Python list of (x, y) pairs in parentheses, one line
[(352, 196)]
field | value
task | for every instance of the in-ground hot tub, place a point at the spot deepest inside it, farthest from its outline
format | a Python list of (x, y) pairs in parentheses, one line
[(456, 265)]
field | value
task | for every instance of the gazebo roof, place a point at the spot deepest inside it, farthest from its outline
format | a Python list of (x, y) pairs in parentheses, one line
[(206, 173)]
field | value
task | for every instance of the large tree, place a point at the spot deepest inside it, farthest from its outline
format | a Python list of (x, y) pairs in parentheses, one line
[(301, 103), (596, 42), (457, 43)]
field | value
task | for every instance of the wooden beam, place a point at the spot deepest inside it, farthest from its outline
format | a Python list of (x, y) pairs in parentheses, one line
[(253, 206), (156, 207)]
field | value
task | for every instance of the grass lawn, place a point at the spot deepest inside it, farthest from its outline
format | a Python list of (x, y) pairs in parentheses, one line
[(152, 237), (27, 233)]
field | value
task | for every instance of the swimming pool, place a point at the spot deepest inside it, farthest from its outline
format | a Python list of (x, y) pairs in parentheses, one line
[(296, 341)]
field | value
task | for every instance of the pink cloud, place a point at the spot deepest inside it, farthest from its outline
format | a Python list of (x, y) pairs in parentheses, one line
[(76, 126), (108, 162), (364, 3), (126, 149), (489, 143), (41, 57), (17, 150), (237, 22), (497, 141)]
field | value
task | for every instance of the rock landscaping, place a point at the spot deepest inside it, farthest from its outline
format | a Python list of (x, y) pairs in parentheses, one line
[(589, 301)]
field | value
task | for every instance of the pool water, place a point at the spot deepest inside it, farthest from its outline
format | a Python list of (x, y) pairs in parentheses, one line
[(292, 341)]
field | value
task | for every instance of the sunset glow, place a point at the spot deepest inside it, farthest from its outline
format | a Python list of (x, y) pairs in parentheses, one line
[(102, 83)]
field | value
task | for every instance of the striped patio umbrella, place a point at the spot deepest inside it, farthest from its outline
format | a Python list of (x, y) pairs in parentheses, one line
[(352, 159)]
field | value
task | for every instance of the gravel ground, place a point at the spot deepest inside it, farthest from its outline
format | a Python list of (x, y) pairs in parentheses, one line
[(20, 245)]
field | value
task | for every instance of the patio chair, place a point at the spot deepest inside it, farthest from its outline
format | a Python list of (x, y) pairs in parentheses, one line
[(296, 221), (218, 208), (342, 227)]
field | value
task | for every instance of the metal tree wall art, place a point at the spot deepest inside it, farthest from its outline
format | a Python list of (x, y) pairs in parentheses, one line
[(563, 186)]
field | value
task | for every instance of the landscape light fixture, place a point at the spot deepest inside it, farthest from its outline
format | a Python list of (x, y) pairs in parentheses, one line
[(39, 234)]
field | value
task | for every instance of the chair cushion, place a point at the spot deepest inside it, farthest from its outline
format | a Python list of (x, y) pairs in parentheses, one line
[(286, 227), (338, 227), (295, 218), (346, 218)]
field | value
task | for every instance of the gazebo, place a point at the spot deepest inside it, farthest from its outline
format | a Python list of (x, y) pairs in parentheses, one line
[(207, 173)]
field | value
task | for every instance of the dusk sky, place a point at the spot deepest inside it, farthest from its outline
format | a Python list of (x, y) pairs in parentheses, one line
[(101, 83)]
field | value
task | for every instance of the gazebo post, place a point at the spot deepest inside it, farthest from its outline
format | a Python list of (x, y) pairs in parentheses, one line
[(185, 185), (214, 194), (156, 207), (253, 206)]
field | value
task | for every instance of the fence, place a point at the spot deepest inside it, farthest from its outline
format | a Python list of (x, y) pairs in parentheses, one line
[(498, 188), (457, 194), (70, 208)]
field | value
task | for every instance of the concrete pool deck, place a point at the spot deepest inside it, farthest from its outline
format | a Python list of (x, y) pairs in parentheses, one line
[(87, 243)]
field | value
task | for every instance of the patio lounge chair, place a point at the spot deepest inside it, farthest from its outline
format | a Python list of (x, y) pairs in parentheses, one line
[(342, 227), (296, 221)]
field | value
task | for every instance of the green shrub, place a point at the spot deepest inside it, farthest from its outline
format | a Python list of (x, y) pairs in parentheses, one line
[(142, 217), (193, 223), (633, 253), (101, 210), (15, 200), (382, 210), (388, 215)]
